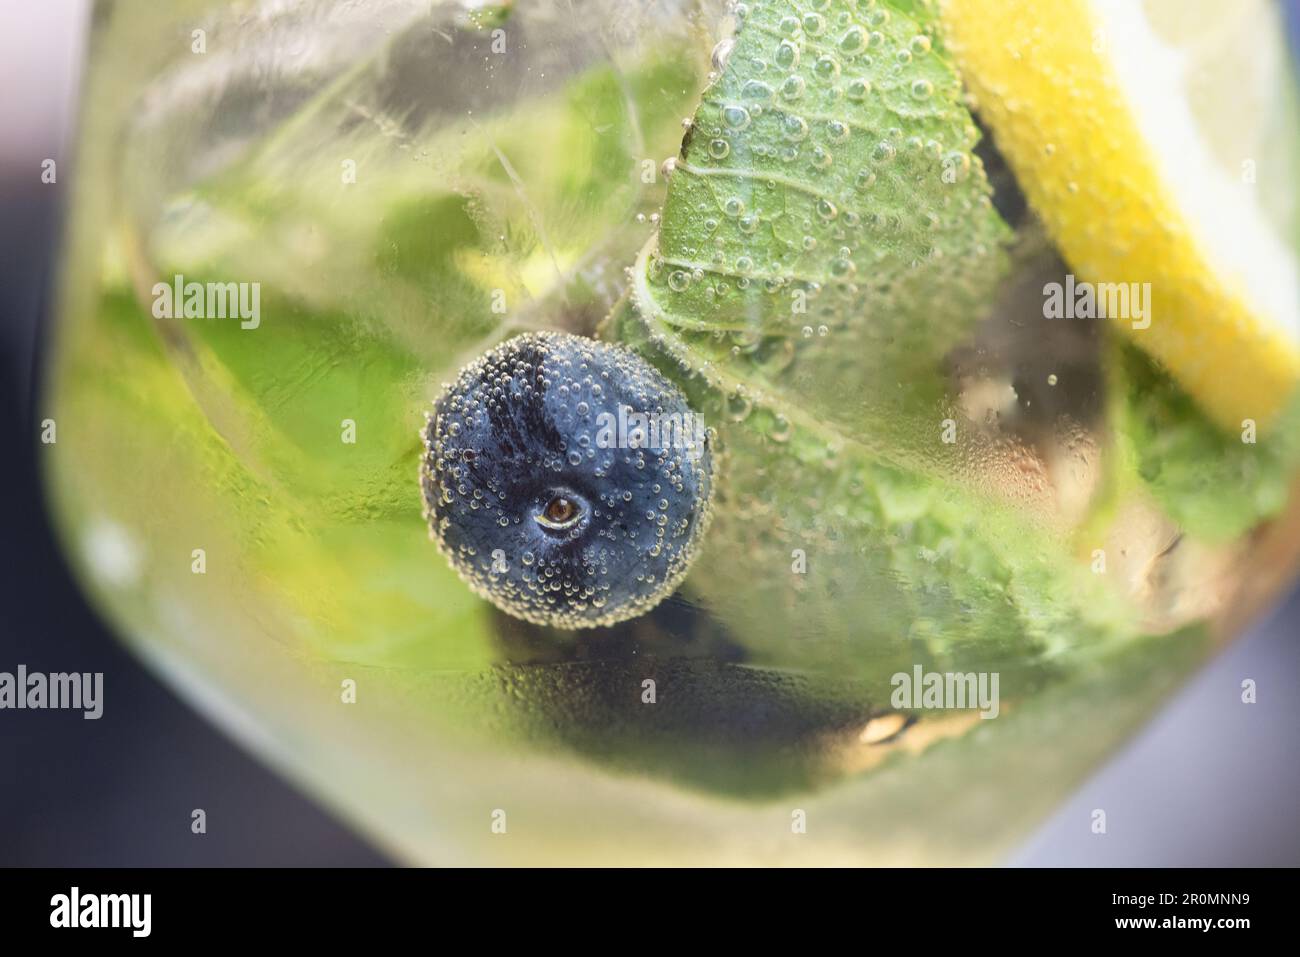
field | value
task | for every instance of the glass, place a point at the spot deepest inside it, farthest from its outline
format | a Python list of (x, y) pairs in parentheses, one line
[(390, 189)]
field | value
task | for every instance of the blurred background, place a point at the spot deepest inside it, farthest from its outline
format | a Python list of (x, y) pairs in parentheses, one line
[(1210, 782)]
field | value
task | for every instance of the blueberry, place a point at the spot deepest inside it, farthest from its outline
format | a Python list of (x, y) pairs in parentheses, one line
[(566, 480)]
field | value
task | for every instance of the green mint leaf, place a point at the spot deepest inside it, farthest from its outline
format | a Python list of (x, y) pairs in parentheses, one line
[(1187, 462), (827, 211), (827, 241)]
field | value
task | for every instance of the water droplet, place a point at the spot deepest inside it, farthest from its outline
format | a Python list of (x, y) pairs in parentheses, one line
[(793, 87), (854, 41), (883, 152), (814, 23), (957, 165), (921, 89), (780, 431), (719, 149), (821, 158), (787, 55), (858, 88), (837, 131), (734, 206), (826, 209), (738, 407), (736, 117), (920, 44), (827, 67), (756, 90), (678, 280)]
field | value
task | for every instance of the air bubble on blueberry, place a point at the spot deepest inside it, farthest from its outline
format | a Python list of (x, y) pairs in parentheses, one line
[(588, 539)]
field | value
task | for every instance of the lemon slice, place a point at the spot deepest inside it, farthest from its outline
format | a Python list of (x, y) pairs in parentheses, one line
[(1156, 139)]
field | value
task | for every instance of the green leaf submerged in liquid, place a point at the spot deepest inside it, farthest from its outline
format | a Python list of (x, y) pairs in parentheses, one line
[(828, 241)]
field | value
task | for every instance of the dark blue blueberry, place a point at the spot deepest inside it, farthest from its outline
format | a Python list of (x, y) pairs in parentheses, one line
[(566, 480)]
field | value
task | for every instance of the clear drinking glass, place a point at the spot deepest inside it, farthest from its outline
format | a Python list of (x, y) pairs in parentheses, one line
[(398, 185)]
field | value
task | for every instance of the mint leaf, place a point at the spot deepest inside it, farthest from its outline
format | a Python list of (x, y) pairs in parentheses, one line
[(1188, 463), (828, 239), (827, 205)]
